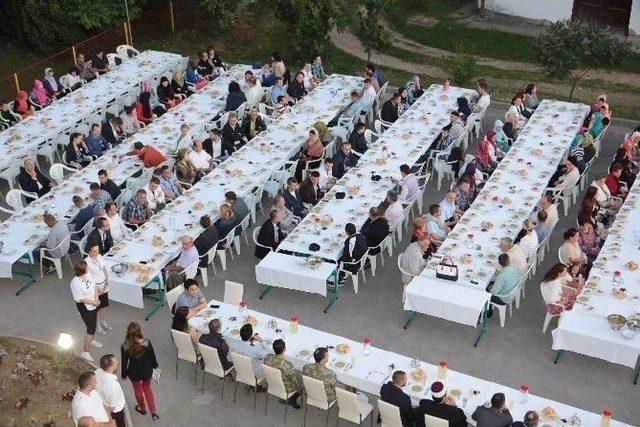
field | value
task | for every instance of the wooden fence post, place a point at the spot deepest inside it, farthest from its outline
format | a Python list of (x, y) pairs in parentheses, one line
[(15, 80), (173, 24), (73, 53), (126, 33)]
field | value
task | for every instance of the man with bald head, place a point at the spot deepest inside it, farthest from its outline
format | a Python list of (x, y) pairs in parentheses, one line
[(188, 256), (199, 158)]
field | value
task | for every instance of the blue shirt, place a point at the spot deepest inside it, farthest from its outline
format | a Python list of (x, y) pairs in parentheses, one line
[(193, 76), (96, 144), (186, 300), (354, 108), (169, 185), (276, 92)]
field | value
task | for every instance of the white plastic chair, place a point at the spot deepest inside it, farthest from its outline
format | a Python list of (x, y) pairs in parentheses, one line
[(10, 173), (502, 308), (548, 316), (431, 421), (563, 261), (185, 351), (56, 171), (55, 255), (204, 271), (111, 59), (350, 408), (222, 253), (245, 375), (124, 50), (14, 199), (387, 244), (213, 365), (233, 292), (275, 387), (256, 231), (390, 414), (354, 276), (316, 396), (243, 226), (172, 296)]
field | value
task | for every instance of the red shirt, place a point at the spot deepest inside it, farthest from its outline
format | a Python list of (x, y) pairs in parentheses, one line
[(613, 183), (151, 158)]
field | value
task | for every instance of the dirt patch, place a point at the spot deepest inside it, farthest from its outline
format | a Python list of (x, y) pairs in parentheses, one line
[(423, 21), (37, 383)]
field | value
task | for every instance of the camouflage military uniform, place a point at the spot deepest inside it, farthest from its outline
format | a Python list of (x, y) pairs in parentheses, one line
[(290, 376), (324, 374)]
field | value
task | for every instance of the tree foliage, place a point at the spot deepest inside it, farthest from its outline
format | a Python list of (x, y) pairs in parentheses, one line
[(373, 34), (310, 22), (222, 10), (568, 50), (52, 25)]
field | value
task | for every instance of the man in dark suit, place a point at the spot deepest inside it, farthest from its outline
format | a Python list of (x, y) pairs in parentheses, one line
[(392, 393), (292, 199), (214, 339), (389, 112), (100, 236), (441, 406), (355, 246), (107, 185), (494, 414), (310, 189), (112, 131), (375, 229), (344, 160), (206, 240), (270, 235), (232, 136)]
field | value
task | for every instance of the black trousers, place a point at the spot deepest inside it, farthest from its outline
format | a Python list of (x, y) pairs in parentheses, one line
[(118, 417)]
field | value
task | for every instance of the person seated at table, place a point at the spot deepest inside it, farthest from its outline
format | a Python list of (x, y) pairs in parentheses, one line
[(169, 183), (98, 196), (631, 144), (353, 108), (292, 198), (354, 249), (270, 235), (207, 239), (310, 192), (186, 173), (414, 87), (518, 109), (570, 250), (296, 88), (449, 211), (83, 69), (613, 181), (368, 95), (531, 100), (408, 184), (235, 98), (38, 96), (310, 80), (215, 340), (253, 124), (502, 142), (22, 105), (117, 226), (148, 108), (130, 123), (517, 256), (58, 231), (225, 223), (167, 95), (541, 226), (193, 77), (375, 73), (137, 211), (7, 117), (510, 126), (150, 156), (559, 289), (100, 236), (531, 419), (84, 215), (108, 185), (504, 284), (436, 228), (52, 85), (551, 209), (276, 91), (174, 272), (96, 143), (391, 392), (357, 140), (288, 220), (389, 112), (394, 212), (253, 346), (419, 229), (319, 371), (569, 179), (112, 131), (465, 195), (180, 321), (494, 413), (598, 122), (463, 107), (200, 159), (311, 151), (327, 180), (32, 180), (232, 136), (99, 62), (527, 238), (179, 84), (215, 147), (415, 257), (344, 160), (317, 69), (255, 92), (282, 107), (375, 229), (238, 206), (216, 60), (155, 196), (442, 406), (205, 69), (191, 298), (629, 168), (291, 377), (603, 194), (484, 158), (588, 240)]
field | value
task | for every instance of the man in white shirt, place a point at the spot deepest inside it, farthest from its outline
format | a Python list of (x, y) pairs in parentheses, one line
[(449, 213), (155, 195), (326, 175), (413, 261), (551, 209), (87, 402), (213, 145), (309, 80), (199, 158), (187, 257), (109, 388), (116, 225), (394, 212), (251, 345), (435, 227), (368, 95), (408, 184), (570, 178), (484, 99), (517, 257)]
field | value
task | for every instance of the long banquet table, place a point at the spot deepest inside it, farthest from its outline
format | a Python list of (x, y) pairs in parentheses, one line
[(367, 372), (507, 199), (402, 143), (247, 168), (585, 328), (24, 137), (25, 230)]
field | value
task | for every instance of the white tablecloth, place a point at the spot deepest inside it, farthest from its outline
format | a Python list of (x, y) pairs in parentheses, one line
[(21, 139), (24, 231), (507, 199), (292, 272), (585, 329), (247, 168), (369, 372)]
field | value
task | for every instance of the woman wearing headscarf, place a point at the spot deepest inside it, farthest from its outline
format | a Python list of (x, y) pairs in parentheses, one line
[(510, 127), (166, 94), (630, 146), (148, 109), (483, 155), (311, 150), (254, 91), (51, 85), (179, 84), (596, 124), (502, 142), (629, 168), (38, 95), (21, 104), (323, 132)]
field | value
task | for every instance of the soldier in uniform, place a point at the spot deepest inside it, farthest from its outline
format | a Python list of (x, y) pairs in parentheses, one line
[(290, 376), (319, 371)]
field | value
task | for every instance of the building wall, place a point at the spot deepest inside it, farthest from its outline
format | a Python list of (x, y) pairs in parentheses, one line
[(550, 10)]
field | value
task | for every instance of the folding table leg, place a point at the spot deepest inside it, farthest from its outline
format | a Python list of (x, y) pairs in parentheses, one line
[(558, 354), (410, 318), (482, 325), (30, 274)]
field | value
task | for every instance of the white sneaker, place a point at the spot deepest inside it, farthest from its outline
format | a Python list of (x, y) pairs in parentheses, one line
[(96, 344), (99, 330), (86, 356)]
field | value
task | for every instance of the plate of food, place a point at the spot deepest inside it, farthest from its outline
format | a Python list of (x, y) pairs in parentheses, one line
[(234, 331), (631, 265), (549, 414), (304, 353), (342, 348), (466, 259), (619, 293), (339, 364), (419, 374), (251, 320), (486, 225), (417, 388), (455, 393)]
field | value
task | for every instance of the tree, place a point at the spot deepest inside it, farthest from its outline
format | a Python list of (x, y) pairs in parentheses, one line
[(568, 50), (55, 24), (373, 34), (311, 21), (222, 10)]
